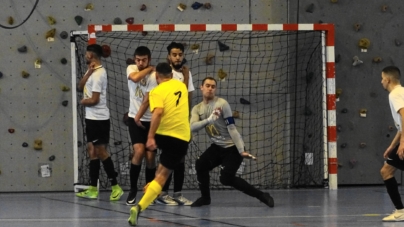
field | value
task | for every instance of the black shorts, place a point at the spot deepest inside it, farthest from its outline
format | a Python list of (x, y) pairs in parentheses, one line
[(173, 150), (138, 134), (97, 131), (229, 158), (394, 160)]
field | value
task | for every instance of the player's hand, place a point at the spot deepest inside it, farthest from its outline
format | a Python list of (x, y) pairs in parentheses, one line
[(387, 152), (214, 115), (247, 155), (185, 71), (91, 67), (151, 144), (139, 123), (400, 151)]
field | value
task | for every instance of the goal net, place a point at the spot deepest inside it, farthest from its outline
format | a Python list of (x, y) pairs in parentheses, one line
[(274, 80)]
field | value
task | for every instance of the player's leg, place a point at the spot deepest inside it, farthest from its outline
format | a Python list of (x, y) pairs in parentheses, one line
[(231, 163), (179, 176), (164, 198), (205, 163), (389, 168)]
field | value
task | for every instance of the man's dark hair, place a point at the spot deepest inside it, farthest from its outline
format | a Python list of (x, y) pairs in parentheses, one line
[(96, 49), (176, 46), (164, 69), (208, 78), (392, 71), (142, 51)]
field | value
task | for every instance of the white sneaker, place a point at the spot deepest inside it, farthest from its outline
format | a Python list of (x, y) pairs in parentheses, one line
[(165, 199), (181, 200), (397, 215)]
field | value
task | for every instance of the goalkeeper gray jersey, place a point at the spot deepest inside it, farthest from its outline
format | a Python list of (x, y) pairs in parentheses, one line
[(217, 132)]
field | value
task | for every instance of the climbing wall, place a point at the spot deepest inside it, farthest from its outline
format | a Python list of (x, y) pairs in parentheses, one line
[(367, 40), (35, 80)]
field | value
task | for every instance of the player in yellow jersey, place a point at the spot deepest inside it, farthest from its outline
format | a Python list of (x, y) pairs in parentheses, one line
[(168, 131)]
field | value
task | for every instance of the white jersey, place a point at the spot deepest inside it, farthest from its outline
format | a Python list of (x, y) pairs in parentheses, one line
[(97, 82), (179, 76), (137, 92), (396, 101)]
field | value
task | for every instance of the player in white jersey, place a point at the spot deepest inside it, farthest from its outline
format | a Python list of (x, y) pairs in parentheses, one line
[(182, 73), (227, 149), (395, 152), (141, 80), (94, 86)]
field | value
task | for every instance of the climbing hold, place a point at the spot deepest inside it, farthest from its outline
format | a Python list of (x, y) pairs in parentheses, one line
[(221, 74), (357, 27), (144, 33), (22, 49), (106, 51), (364, 43), (222, 46), (309, 77), (356, 61), (89, 7), (117, 20), (10, 20), (207, 5), (38, 144), (362, 145), (129, 61), (244, 101), (64, 35), (63, 61), (117, 143), (373, 94), (339, 128), (209, 59), (143, 7), (391, 128), (11, 130), (50, 34), (51, 20), (65, 88), (377, 59), (307, 111), (195, 46), (310, 8), (38, 63), (196, 5), (130, 20), (363, 112), (337, 58), (343, 145), (181, 7), (125, 119), (340, 165), (1, 74), (338, 92), (384, 8), (24, 74), (320, 21), (78, 19), (64, 103), (398, 42), (236, 114), (79, 143), (352, 163), (51, 158), (345, 110), (24, 144), (334, 1), (310, 135)]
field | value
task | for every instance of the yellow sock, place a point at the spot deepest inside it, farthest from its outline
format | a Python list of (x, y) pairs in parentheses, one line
[(151, 194)]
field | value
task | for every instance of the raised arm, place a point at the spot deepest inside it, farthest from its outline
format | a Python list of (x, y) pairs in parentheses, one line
[(138, 76)]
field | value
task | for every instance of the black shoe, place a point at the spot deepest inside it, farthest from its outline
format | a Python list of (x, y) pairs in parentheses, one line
[(267, 199), (201, 202), (131, 200)]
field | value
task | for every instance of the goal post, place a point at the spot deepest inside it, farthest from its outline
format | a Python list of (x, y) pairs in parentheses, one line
[(278, 78)]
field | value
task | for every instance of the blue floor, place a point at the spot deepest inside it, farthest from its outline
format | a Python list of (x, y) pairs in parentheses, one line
[(349, 206)]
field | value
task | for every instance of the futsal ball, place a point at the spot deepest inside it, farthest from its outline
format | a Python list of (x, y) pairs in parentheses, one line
[(106, 51)]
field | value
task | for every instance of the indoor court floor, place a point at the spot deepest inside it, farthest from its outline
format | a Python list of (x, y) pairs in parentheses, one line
[(347, 206)]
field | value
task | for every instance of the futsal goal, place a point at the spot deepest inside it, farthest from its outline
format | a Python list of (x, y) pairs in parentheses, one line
[(279, 80)]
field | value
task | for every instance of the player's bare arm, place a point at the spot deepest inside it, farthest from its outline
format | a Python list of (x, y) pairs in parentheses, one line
[(94, 100), (138, 76), (142, 109)]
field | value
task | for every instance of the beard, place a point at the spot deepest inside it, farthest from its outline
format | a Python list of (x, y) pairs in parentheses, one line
[(177, 66), (88, 62)]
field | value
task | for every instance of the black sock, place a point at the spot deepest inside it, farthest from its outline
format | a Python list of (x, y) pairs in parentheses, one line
[(134, 176), (94, 171), (109, 169), (179, 176), (204, 182), (242, 185), (167, 184), (150, 174), (392, 190)]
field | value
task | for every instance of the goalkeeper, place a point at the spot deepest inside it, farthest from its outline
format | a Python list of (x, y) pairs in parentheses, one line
[(214, 114)]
